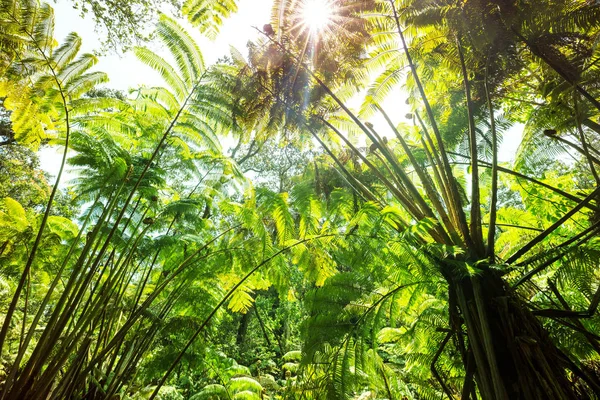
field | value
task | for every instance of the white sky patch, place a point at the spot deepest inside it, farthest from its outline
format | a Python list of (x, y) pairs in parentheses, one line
[(126, 72)]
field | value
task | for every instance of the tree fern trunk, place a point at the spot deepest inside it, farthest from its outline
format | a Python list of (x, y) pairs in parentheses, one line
[(514, 356)]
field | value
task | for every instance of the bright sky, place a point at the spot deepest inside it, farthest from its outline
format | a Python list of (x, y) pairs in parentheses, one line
[(126, 72)]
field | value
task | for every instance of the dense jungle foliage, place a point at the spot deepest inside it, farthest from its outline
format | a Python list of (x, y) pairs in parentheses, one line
[(279, 225)]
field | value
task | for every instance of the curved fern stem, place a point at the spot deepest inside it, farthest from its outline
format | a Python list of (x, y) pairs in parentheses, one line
[(523, 250), (36, 244), (475, 222), (494, 189), (452, 186), (220, 304)]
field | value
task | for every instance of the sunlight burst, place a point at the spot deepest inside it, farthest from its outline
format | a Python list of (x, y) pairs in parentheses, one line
[(317, 14)]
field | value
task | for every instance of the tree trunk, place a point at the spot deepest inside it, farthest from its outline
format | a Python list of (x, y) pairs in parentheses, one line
[(243, 329), (514, 356)]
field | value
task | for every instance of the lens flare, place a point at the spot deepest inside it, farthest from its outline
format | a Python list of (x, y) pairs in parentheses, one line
[(317, 14)]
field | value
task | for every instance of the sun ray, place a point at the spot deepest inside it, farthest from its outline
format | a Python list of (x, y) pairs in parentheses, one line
[(317, 14)]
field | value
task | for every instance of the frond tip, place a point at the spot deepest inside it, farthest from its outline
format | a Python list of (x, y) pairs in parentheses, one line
[(208, 16)]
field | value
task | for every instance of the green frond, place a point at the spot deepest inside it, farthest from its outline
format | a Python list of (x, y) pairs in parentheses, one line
[(208, 15), (76, 68), (184, 49), (164, 69), (162, 96), (241, 300), (211, 392), (294, 355), (66, 52), (84, 83), (246, 395), (43, 27), (244, 383), (199, 131)]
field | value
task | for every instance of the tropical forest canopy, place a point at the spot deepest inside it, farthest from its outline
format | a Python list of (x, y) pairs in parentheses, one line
[(321, 215)]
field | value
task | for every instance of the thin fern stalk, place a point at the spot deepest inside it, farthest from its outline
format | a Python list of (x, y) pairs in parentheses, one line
[(475, 206), (435, 154), (87, 283), (73, 370), (352, 181), (405, 201), (25, 307), (425, 179), (46, 379), (468, 389), (147, 339), (140, 178), (393, 177), (152, 296), (527, 247), (484, 381), (408, 185), (593, 126), (90, 241), (584, 143), (591, 340), (439, 179), (350, 178), (103, 308), (405, 181), (60, 316), (385, 381), (106, 290), (554, 189), (13, 304), (452, 186), (563, 74), (262, 327), (578, 240), (104, 284), (138, 181), (146, 277), (140, 288), (491, 239), (579, 149), (434, 370), (140, 350), (57, 279), (361, 189), (220, 304), (564, 246), (124, 256), (417, 213)]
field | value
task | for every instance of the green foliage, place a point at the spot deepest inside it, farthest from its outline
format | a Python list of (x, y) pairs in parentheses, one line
[(385, 261), (165, 393), (208, 15), (44, 81), (122, 24)]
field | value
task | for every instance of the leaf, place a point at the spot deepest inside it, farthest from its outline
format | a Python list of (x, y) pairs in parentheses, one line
[(241, 300), (208, 15)]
